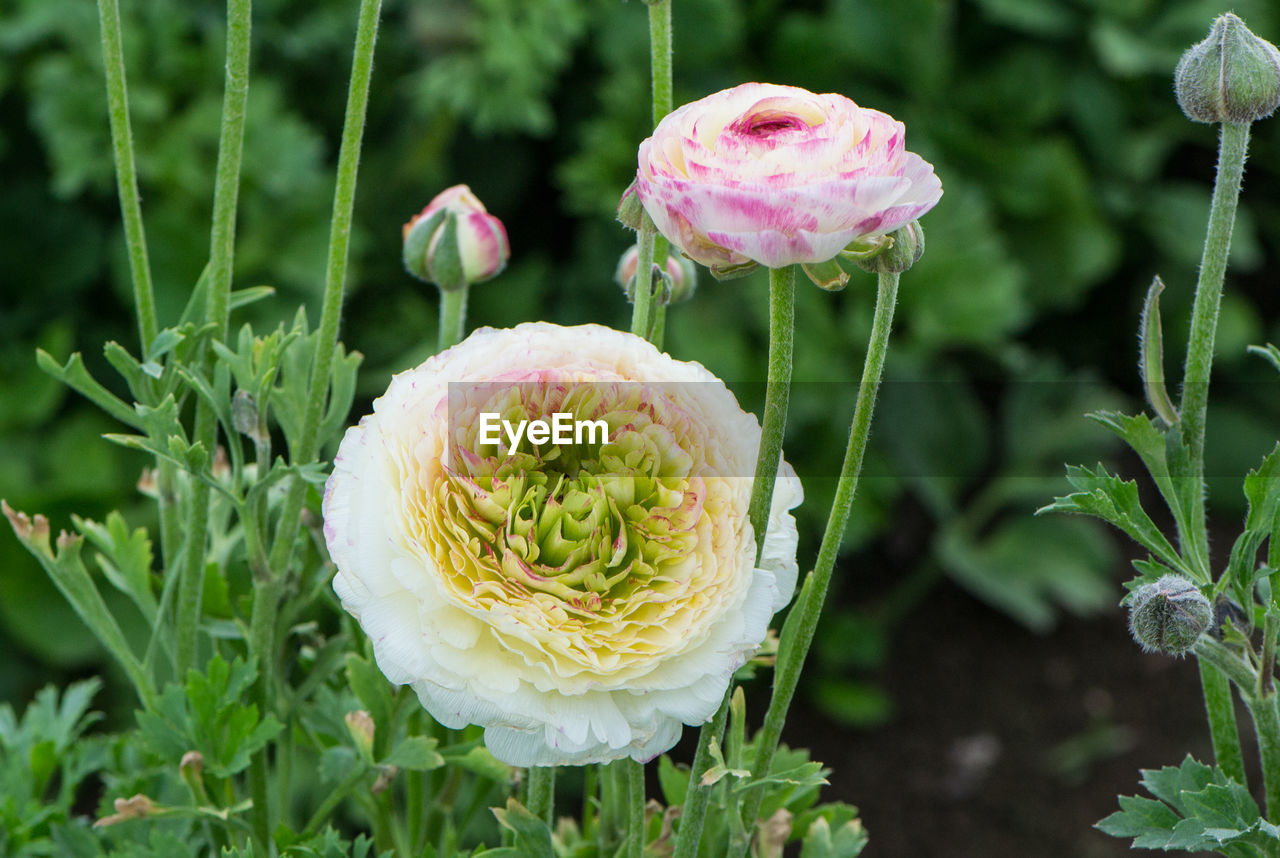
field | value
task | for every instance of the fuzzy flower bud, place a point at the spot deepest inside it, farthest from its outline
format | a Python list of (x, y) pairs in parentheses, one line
[(1232, 76), (905, 250), (681, 276), (454, 241), (1169, 615)]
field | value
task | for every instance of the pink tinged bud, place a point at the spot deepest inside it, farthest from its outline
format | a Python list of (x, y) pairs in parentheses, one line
[(193, 763), (679, 284), (454, 241)]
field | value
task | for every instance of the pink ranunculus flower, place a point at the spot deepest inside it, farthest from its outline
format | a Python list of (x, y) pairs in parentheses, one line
[(777, 175), (579, 599)]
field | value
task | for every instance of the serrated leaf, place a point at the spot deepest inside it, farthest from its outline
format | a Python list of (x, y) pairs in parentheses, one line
[(846, 841), (417, 753), (532, 835), (1262, 492), (479, 760), (1116, 501)]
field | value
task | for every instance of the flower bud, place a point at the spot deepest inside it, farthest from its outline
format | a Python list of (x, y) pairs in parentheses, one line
[(1232, 76), (137, 807), (630, 209), (454, 241), (681, 276), (905, 250), (1169, 615), (360, 726)]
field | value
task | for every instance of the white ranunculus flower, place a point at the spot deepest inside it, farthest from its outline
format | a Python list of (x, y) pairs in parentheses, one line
[(580, 601)]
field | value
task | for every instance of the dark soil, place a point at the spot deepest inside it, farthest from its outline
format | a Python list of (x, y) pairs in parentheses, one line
[(1008, 743)]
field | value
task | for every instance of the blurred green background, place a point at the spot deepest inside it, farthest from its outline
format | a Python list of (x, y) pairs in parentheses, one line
[(1070, 177)]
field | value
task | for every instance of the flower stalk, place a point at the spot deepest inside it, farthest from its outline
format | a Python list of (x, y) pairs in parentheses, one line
[(1232, 151), (802, 622), (126, 170), (453, 316)]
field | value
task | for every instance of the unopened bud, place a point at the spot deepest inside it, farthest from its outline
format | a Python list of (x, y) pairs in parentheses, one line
[(681, 277), (454, 241), (1169, 615), (192, 763), (360, 726), (128, 808), (1232, 76), (630, 209), (905, 248)]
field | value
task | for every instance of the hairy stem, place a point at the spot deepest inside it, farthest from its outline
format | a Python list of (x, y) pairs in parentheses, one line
[(453, 316), (1232, 151), (635, 809), (542, 792), (803, 620), (126, 171), (782, 319), (344, 195)]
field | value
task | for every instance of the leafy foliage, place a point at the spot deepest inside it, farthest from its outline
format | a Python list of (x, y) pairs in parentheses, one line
[(1195, 808)]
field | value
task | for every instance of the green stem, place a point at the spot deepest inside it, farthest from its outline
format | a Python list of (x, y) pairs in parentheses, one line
[(191, 582), (1221, 711), (635, 805), (782, 323), (126, 170), (453, 316), (659, 326), (782, 290), (607, 822), (1266, 721), (344, 195), (332, 800), (226, 187), (660, 57), (1232, 152), (694, 813), (642, 308), (542, 792), (803, 619)]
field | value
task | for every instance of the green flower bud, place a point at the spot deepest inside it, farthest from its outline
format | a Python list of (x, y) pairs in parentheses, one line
[(630, 209), (904, 250), (1168, 616), (1232, 76), (360, 726)]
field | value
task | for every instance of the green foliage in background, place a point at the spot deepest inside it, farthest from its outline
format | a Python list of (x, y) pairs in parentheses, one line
[(1051, 121)]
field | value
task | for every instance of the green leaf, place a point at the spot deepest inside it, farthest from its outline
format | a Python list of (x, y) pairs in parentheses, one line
[(674, 780), (532, 836), (1262, 491), (125, 559), (1114, 500), (374, 693), (479, 760), (417, 753), (74, 375), (1196, 808), (846, 841)]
